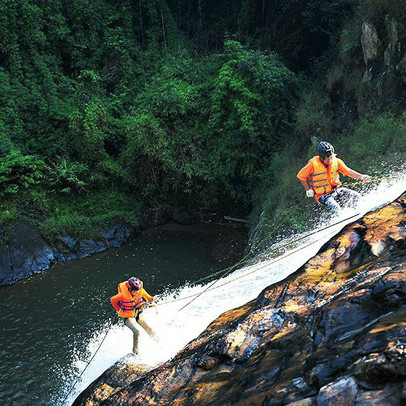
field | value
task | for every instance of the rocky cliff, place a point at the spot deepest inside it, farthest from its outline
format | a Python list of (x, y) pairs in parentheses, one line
[(332, 333), (385, 59), (27, 252)]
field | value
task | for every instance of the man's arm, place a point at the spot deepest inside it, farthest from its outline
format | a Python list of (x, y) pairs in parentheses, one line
[(114, 301), (303, 175), (356, 175), (305, 184), (346, 171), (147, 296)]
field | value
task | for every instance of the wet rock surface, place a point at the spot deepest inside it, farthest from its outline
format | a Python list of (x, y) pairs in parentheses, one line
[(27, 252), (333, 332), (116, 377)]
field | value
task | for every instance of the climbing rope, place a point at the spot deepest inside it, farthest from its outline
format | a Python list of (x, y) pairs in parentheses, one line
[(375, 179), (226, 271), (88, 363), (266, 238), (243, 260)]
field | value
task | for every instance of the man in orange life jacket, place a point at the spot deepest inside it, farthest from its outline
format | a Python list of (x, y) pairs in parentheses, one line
[(321, 179), (130, 302)]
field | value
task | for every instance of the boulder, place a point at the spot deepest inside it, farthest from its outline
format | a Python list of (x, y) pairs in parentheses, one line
[(118, 234), (389, 395), (401, 68), (25, 254), (393, 51), (89, 247), (6, 275), (122, 373), (342, 392)]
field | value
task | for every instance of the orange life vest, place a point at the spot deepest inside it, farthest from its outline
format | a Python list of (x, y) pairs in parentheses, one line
[(324, 180), (129, 302)]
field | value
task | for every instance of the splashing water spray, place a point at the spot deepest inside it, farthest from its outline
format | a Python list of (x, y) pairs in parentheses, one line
[(176, 324)]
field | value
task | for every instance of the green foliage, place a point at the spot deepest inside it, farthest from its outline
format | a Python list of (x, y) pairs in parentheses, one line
[(88, 121), (86, 217), (251, 85), (251, 113), (150, 159), (170, 97), (5, 143), (19, 172), (108, 173), (146, 136), (312, 118), (203, 128), (7, 216), (386, 138), (146, 99), (378, 8), (67, 177), (280, 189)]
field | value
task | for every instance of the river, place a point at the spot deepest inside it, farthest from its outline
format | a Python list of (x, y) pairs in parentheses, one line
[(51, 320)]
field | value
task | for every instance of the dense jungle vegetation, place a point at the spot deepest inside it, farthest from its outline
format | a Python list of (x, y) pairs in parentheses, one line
[(146, 110)]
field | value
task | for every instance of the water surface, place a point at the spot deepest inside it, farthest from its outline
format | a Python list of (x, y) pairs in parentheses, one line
[(49, 320)]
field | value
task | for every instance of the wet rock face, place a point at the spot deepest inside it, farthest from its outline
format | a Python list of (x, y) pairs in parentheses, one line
[(332, 333), (116, 377), (27, 252), (384, 58)]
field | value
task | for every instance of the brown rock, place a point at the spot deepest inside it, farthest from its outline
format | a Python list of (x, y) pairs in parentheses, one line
[(334, 329), (304, 402), (111, 381)]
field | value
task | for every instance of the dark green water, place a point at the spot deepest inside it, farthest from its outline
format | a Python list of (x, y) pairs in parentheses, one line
[(48, 320)]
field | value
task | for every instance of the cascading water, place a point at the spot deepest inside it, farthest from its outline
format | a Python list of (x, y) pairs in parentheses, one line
[(176, 326)]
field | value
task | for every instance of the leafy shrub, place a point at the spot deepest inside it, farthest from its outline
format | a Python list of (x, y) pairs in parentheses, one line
[(108, 173), (86, 216), (169, 97), (312, 118), (67, 177), (88, 121), (20, 172), (251, 114), (7, 215)]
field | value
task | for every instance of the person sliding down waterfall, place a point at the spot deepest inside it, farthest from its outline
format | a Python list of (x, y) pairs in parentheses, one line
[(130, 301), (321, 179)]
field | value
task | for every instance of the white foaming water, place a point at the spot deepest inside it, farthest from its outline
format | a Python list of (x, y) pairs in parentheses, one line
[(176, 327)]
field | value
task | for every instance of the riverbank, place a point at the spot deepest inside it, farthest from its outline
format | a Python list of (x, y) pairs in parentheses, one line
[(26, 251)]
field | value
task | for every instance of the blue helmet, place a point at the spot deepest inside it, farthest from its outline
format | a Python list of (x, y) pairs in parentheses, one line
[(325, 149)]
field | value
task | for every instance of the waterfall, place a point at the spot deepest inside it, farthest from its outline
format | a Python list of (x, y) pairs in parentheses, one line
[(175, 327)]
